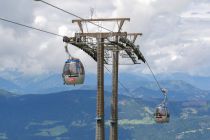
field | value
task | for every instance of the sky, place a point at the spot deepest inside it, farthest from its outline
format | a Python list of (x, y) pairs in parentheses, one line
[(176, 34)]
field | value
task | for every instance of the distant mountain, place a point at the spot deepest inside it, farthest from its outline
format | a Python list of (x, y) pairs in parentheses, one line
[(8, 85), (54, 82), (47, 84), (35, 84), (71, 115), (178, 90), (5, 93), (14, 81), (202, 82)]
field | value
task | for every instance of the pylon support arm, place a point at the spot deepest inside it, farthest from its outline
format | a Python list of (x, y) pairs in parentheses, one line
[(135, 35), (90, 51), (101, 19), (80, 26), (102, 35), (121, 20), (134, 48)]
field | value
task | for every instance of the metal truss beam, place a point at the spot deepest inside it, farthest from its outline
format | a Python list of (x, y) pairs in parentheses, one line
[(103, 34), (101, 19)]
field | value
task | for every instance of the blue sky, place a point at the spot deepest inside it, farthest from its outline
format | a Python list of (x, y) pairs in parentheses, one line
[(176, 34)]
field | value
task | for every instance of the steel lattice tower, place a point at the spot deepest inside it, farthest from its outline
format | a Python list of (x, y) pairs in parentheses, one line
[(105, 50)]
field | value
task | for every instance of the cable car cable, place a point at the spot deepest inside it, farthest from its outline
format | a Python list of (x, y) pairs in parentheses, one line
[(121, 84), (70, 13), (30, 27), (67, 51), (158, 84), (163, 90)]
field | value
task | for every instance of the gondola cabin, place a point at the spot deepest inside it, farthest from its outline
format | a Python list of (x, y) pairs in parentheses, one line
[(161, 114), (73, 72)]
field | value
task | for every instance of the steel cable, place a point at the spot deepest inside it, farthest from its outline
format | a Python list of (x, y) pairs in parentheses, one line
[(30, 27)]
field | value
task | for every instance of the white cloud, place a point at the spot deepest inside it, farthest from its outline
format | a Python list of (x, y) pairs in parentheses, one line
[(146, 2), (40, 21), (43, 46)]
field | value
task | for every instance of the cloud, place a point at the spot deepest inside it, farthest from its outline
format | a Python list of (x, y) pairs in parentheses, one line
[(176, 34), (40, 21), (172, 42)]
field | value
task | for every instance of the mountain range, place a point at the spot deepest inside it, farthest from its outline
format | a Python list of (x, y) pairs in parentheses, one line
[(41, 107), (70, 115), (47, 83)]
